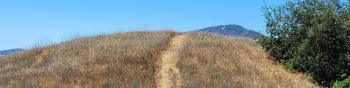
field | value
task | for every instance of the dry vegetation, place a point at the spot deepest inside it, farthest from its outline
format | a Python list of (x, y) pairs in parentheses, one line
[(121, 60), (129, 60), (211, 61)]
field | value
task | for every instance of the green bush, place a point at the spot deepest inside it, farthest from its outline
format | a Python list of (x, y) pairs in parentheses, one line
[(342, 84), (311, 36)]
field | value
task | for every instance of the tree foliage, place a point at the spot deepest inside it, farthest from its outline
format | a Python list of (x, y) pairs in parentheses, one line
[(342, 84), (310, 36)]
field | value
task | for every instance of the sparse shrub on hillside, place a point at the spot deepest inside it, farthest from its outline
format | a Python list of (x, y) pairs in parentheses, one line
[(342, 84), (311, 36)]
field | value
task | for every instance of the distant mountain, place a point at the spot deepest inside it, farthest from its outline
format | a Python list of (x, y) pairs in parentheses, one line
[(10, 51), (231, 30)]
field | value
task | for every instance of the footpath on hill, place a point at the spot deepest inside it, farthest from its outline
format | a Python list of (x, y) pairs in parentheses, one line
[(168, 76)]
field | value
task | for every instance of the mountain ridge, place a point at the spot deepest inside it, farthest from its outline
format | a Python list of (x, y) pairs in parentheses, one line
[(231, 30), (10, 51)]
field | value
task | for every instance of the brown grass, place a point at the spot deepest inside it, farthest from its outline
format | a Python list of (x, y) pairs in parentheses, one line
[(125, 60), (120, 60), (211, 61)]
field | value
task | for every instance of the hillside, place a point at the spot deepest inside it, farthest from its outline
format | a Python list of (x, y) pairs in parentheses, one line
[(120, 60), (148, 60), (210, 61), (231, 30)]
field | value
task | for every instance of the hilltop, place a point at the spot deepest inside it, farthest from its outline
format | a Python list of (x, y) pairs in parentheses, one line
[(231, 30), (148, 60)]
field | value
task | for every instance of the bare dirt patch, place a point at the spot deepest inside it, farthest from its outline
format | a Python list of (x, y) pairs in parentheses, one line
[(168, 76)]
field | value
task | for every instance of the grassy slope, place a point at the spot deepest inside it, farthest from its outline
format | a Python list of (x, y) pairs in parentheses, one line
[(116, 60), (129, 59), (209, 61)]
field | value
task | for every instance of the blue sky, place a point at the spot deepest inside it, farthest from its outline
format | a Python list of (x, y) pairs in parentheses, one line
[(25, 23)]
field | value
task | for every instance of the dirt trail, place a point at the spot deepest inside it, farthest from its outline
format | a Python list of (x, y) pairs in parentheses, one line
[(168, 76)]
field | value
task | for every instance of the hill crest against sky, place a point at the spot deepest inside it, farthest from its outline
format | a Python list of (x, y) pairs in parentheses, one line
[(133, 59)]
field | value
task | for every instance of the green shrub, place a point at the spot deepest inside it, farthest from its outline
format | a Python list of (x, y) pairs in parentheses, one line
[(310, 36), (342, 84)]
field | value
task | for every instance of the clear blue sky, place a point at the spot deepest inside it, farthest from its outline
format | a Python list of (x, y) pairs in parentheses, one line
[(24, 23)]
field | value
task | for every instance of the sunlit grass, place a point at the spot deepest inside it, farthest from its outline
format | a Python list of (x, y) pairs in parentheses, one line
[(213, 61), (115, 60), (129, 59)]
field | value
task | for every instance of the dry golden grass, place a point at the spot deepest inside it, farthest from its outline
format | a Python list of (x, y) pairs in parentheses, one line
[(130, 60), (121, 60), (211, 61)]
